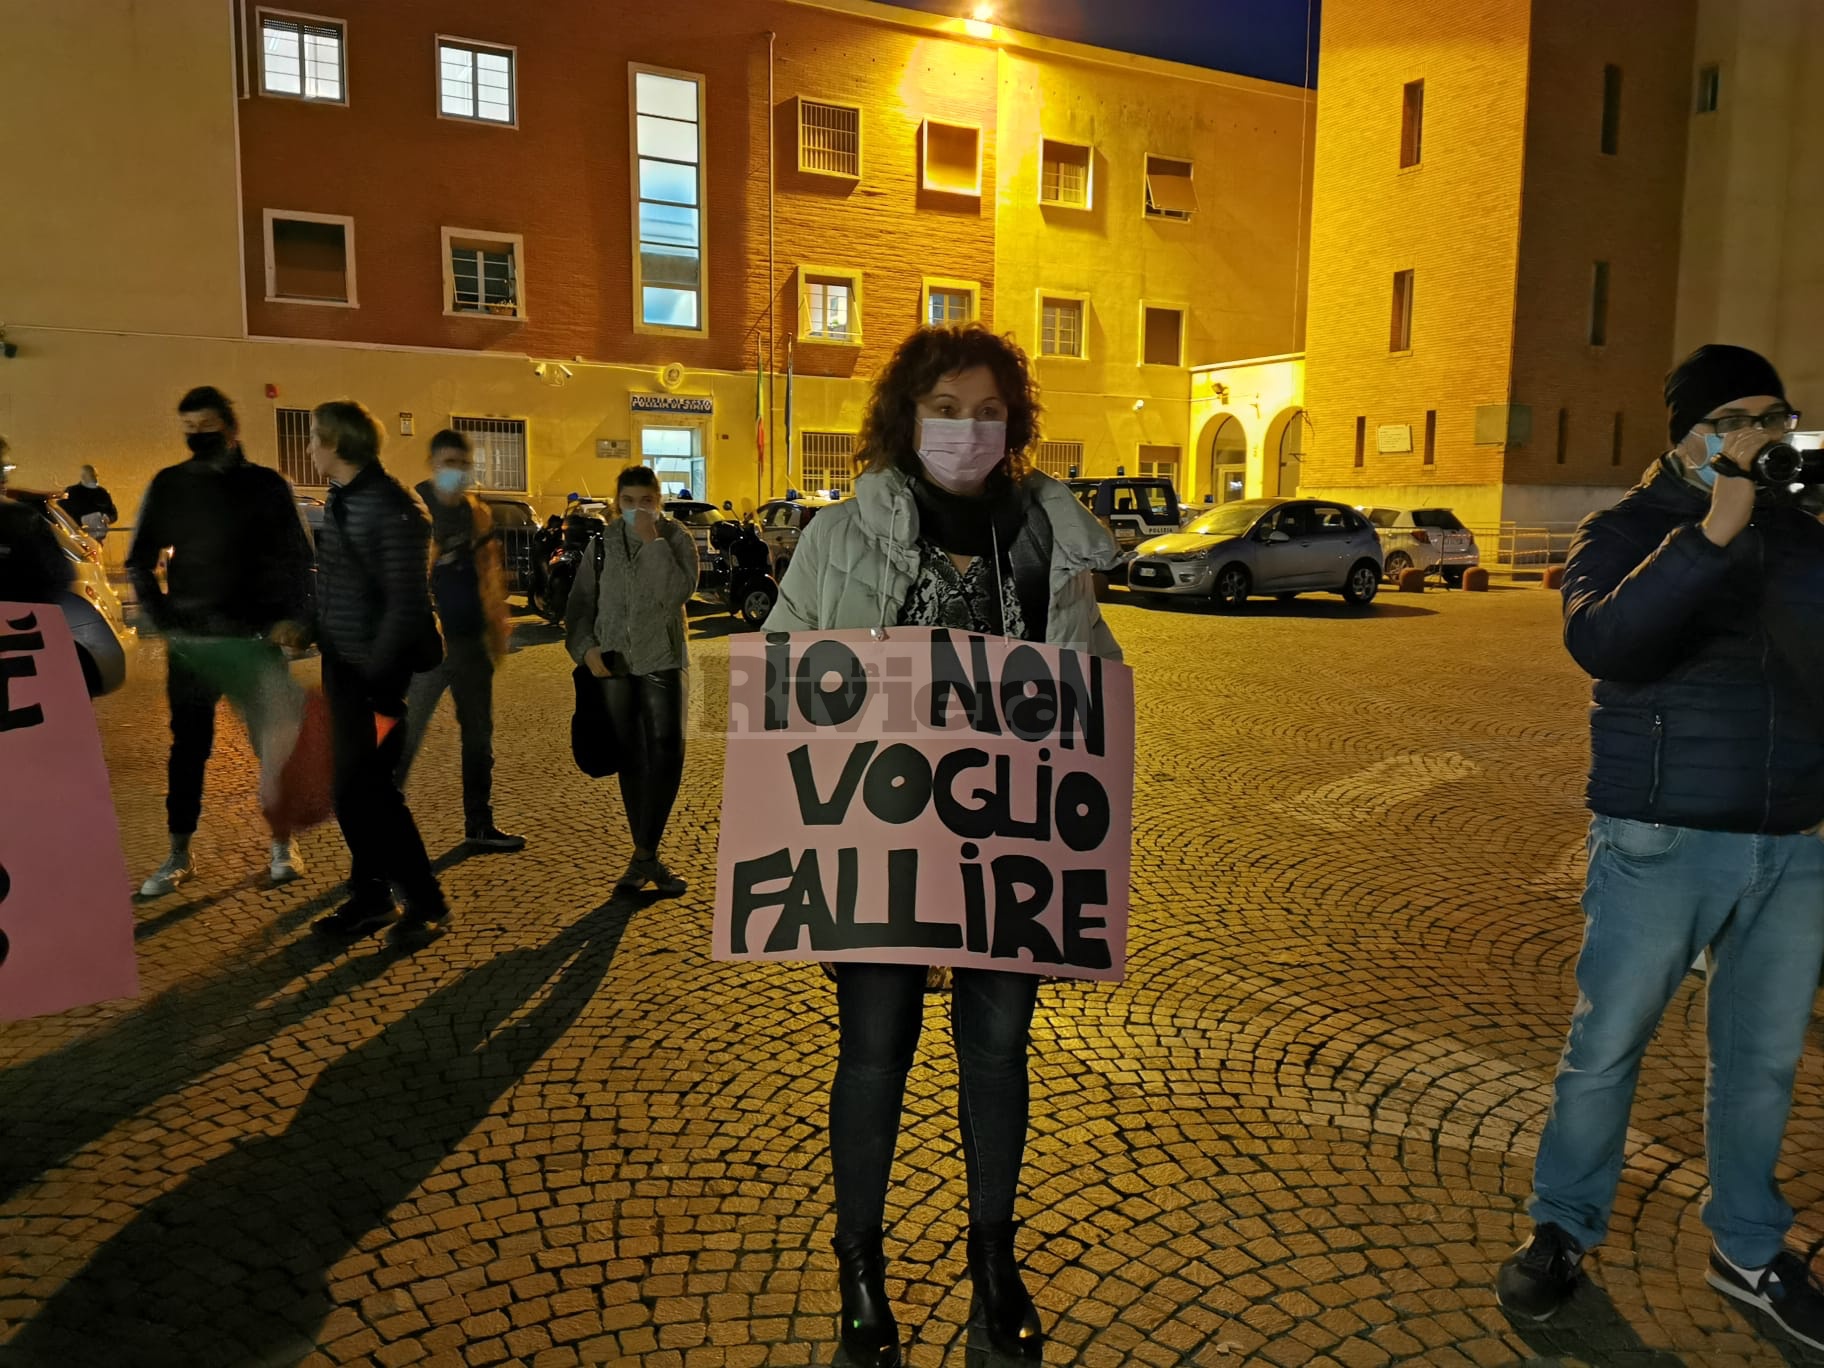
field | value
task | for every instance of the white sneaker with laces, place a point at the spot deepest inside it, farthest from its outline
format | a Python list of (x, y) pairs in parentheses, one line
[(165, 879)]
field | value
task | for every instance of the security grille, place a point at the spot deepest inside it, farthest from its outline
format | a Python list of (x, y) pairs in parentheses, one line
[(500, 450), (828, 460), (484, 280), (829, 139), (1060, 459), (294, 447)]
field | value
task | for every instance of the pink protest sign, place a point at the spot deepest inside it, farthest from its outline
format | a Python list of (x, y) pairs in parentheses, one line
[(66, 924), (935, 797)]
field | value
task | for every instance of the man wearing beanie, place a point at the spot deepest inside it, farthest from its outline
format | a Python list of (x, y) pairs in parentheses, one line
[(1692, 604)]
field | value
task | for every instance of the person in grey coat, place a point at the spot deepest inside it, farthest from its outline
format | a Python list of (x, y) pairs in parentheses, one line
[(625, 620), (948, 527)]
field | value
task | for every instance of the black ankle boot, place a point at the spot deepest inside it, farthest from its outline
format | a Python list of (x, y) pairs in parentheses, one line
[(1012, 1321), (870, 1336)]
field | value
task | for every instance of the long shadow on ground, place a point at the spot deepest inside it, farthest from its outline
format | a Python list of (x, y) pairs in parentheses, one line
[(229, 1267)]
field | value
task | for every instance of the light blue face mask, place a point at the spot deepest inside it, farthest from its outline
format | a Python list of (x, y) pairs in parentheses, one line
[(630, 516), (1713, 447), (450, 480)]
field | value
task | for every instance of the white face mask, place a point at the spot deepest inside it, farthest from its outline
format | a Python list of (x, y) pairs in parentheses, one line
[(959, 453)]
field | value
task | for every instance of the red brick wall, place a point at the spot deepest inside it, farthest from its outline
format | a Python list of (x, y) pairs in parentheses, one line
[(1453, 220), (561, 178), (1582, 207)]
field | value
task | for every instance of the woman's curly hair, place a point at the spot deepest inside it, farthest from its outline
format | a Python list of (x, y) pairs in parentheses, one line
[(889, 433)]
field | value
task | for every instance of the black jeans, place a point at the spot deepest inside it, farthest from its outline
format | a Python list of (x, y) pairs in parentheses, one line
[(468, 674), (648, 715), (881, 1007), (384, 846)]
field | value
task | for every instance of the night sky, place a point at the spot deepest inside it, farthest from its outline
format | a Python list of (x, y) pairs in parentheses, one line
[(1264, 38)]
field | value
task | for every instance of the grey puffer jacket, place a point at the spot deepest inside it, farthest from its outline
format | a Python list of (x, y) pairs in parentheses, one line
[(856, 562), (373, 574), (635, 609)]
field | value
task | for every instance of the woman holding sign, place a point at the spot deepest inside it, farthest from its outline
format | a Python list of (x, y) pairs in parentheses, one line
[(948, 528), (625, 617)]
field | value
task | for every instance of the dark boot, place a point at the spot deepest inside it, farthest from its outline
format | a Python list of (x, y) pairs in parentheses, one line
[(870, 1336), (1009, 1316)]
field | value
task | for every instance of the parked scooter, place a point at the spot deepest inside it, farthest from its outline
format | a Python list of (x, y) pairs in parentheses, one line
[(740, 574), (581, 528)]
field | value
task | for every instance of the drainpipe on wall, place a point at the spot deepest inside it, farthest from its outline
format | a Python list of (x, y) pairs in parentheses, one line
[(772, 278)]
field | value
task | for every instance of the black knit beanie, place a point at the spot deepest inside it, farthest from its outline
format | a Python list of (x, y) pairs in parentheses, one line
[(1709, 378)]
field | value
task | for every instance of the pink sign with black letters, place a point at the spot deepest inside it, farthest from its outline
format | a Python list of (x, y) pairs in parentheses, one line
[(933, 797), (66, 918)]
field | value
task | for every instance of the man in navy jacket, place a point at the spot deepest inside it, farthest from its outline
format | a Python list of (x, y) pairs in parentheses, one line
[(1696, 604)]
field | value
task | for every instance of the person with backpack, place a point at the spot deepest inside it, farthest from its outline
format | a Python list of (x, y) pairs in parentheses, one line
[(625, 619), (469, 586), (376, 630)]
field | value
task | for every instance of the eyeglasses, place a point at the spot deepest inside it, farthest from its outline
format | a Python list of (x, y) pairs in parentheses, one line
[(1777, 421)]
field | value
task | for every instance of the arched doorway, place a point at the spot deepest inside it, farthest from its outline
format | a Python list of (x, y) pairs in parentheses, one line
[(1227, 460), (1286, 439)]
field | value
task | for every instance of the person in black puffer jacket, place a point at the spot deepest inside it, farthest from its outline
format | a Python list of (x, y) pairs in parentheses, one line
[(1697, 604), (376, 630)]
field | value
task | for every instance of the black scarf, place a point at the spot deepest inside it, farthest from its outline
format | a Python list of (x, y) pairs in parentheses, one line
[(971, 525)]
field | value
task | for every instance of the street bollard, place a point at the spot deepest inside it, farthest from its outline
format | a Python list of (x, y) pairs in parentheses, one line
[(1554, 577), (1475, 579), (1412, 581)]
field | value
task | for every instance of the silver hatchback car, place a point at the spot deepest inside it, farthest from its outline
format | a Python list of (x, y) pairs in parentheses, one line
[(1264, 546)]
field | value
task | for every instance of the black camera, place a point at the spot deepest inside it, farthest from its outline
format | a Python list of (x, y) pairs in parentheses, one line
[(1778, 465)]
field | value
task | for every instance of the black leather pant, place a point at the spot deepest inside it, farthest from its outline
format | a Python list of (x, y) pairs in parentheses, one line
[(648, 715), (881, 1007)]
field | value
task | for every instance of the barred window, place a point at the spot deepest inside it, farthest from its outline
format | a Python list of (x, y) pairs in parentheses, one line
[(500, 450), (828, 460), (829, 139), (294, 447), (1060, 460)]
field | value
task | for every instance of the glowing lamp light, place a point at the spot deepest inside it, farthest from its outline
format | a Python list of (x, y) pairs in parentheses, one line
[(981, 25)]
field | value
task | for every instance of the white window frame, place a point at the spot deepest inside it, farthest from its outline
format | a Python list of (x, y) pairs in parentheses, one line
[(1082, 301), (634, 71), (1142, 462), (851, 275), (860, 153), (943, 285), (258, 40), (474, 45), (513, 242), (269, 216), (1146, 176), (1089, 175), (1184, 326), (924, 160), (525, 446)]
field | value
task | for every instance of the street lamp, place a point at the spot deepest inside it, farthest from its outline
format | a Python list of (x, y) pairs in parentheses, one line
[(981, 24)]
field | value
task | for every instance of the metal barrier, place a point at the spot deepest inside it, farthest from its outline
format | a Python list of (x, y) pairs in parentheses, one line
[(1512, 549)]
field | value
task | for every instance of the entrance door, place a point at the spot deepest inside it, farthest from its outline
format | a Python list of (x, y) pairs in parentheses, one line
[(1228, 462), (676, 455)]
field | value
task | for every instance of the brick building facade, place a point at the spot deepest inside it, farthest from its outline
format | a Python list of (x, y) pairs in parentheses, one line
[(1495, 251)]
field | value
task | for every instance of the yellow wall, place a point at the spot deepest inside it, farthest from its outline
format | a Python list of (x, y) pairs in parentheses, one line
[(1237, 265), (1752, 267)]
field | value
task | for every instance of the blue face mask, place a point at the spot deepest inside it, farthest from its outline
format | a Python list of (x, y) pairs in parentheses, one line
[(630, 516), (1713, 447), (450, 480)]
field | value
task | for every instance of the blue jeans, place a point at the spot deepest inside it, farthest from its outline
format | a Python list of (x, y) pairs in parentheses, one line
[(1656, 897)]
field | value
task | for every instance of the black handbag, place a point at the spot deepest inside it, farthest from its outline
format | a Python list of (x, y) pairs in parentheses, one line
[(593, 744)]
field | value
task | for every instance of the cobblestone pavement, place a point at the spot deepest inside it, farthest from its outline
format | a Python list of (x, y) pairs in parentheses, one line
[(1299, 1133)]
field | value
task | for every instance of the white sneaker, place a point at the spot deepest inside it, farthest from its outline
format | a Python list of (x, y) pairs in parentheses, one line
[(165, 879), (287, 867)]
